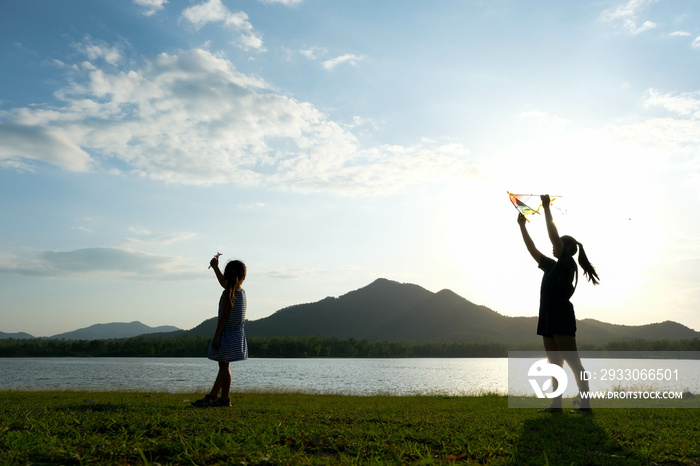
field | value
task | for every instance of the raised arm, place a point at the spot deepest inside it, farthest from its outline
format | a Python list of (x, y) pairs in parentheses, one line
[(551, 227), (214, 264), (528, 240)]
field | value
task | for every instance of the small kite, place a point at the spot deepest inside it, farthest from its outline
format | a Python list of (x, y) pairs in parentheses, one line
[(519, 200), (215, 257)]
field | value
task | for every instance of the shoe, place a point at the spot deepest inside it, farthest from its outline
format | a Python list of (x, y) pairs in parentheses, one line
[(550, 410), (582, 411), (221, 403), (204, 402)]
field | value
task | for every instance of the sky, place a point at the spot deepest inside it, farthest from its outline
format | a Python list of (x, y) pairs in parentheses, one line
[(327, 144)]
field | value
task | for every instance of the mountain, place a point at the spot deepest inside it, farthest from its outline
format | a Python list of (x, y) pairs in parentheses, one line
[(16, 336), (364, 313), (113, 330), (388, 310), (357, 314)]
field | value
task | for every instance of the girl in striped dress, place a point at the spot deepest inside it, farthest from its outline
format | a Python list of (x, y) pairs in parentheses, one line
[(229, 343)]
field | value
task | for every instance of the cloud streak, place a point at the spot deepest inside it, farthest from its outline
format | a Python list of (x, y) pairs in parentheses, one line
[(348, 58), (626, 17), (147, 238), (21, 143), (101, 263)]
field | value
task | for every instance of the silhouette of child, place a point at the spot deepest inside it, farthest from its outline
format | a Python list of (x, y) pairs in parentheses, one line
[(229, 343), (557, 322)]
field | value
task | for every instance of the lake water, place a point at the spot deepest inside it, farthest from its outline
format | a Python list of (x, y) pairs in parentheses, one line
[(332, 376), (400, 377)]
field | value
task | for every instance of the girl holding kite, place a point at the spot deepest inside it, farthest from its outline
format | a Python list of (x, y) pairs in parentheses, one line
[(229, 343), (557, 322)]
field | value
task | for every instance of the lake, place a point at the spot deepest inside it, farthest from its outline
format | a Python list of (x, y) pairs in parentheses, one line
[(332, 376), (400, 377)]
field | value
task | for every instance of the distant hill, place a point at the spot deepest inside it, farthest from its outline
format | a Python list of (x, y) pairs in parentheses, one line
[(113, 330), (388, 310), (16, 336)]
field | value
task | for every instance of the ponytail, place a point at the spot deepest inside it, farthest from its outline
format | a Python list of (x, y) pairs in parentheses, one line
[(588, 269), (234, 271), (231, 295)]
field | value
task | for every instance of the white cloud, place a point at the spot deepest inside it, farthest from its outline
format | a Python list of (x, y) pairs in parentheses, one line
[(625, 10), (349, 58), (384, 169), (150, 7), (28, 142), (672, 141), (192, 118), (140, 231), (213, 11), (147, 238), (95, 49), (101, 263), (251, 41), (696, 43), (646, 25), (679, 34), (313, 53), (283, 2), (81, 229), (626, 16), (686, 103)]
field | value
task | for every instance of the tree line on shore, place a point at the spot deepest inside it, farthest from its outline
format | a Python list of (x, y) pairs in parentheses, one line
[(294, 347)]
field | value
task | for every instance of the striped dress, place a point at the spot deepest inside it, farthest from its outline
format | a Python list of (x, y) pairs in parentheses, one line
[(233, 346)]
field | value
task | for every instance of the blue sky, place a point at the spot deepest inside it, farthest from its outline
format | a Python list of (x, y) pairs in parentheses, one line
[(327, 144)]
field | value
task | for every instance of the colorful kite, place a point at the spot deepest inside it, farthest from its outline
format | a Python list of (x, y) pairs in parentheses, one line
[(519, 202)]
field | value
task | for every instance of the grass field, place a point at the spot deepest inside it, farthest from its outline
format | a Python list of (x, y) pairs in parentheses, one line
[(281, 428)]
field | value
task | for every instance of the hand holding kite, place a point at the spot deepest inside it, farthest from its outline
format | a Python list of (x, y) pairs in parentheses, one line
[(519, 200), (215, 260), (521, 220)]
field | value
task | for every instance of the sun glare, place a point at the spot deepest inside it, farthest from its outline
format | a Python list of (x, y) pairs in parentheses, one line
[(481, 250)]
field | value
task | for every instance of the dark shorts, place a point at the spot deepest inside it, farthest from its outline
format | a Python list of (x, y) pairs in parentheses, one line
[(558, 320), (551, 335)]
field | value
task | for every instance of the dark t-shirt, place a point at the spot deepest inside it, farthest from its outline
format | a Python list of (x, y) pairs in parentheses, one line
[(556, 311)]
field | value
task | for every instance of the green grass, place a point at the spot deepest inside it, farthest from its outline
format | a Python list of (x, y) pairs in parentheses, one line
[(274, 428)]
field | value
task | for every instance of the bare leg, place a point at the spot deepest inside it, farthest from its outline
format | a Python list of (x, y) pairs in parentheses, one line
[(554, 356), (225, 371), (222, 382), (567, 344)]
